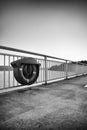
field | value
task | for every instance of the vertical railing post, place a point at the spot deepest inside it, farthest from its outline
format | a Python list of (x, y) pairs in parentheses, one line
[(66, 69), (4, 71), (13, 72), (9, 71), (45, 59)]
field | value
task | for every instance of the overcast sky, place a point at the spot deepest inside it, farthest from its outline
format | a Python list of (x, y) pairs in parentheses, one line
[(53, 28)]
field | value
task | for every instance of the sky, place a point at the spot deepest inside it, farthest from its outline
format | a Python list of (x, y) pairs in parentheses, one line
[(48, 27)]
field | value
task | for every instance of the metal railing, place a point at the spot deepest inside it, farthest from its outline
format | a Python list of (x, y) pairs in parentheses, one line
[(51, 69)]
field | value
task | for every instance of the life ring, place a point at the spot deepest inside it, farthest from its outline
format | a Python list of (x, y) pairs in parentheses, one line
[(26, 74)]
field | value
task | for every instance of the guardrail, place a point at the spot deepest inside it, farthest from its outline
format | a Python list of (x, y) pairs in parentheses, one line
[(51, 69)]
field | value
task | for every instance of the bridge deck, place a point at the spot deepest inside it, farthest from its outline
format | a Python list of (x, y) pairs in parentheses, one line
[(61, 105)]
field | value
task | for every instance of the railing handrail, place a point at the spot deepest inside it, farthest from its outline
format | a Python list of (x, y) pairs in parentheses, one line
[(29, 52)]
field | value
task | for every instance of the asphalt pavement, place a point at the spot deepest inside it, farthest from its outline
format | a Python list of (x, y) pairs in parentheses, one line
[(57, 106)]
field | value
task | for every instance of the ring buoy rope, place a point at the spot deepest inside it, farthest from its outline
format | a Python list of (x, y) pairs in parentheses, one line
[(26, 74)]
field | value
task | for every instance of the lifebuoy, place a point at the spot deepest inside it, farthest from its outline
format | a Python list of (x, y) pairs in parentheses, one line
[(26, 74)]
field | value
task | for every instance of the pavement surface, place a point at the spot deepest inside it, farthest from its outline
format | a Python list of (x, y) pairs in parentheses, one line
[(57, 106)]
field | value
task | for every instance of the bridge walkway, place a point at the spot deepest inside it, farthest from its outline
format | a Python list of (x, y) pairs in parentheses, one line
[(58, 106)]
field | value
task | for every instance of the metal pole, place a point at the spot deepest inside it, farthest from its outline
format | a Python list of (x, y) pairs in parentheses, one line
[(13, 72), (4, 71), (9, 71), (66, 69), (45, 59)]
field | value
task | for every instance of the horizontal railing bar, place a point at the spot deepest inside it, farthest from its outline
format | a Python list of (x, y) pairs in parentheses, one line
[(17, 55), (11, 55), (6, 68), (28, 52), (56, 61), (26, 56)]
